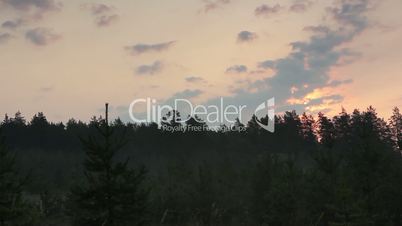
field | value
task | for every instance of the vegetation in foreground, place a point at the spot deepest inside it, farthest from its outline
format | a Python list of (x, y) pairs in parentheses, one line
[(345, 170)]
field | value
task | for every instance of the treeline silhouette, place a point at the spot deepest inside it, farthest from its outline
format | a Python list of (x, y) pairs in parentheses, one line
[(313, 171)]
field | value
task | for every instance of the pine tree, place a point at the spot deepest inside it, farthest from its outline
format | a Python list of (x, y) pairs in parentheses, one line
[(204, 196), (277, 193), (326, 131), (19, 119), (396, 128), (368, 163), (252, 126), (39, 120), (12, 206), (6, 120), (342, 126), (291, 126), (113, 193), (325, 172), (307, 128)]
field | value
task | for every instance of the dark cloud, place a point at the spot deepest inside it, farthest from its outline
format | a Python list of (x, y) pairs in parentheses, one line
[(214, 4), (317, 29), (99, 9), (104, 14), (268, 64), (246, 36), (29, 5), (237, 69), (298, 7), (42, 36), (194, 79), (5, 37), (350, 14), (307, 66), (150, 69), (32, 9), (265, 10), (12, 24), (144, 48)]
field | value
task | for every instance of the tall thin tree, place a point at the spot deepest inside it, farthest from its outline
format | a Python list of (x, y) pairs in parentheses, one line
[(113, 193)]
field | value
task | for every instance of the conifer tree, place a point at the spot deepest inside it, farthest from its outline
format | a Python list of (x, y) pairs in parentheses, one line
[(342, 126), (252, 125), (113, 193), (307, 128), (325, 130), (396, 128), (278, 191), (12, 206), (19, 119), (369, 163)]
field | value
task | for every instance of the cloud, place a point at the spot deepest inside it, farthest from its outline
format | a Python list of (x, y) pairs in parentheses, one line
[(28, 5), (317, 29), (336, 83), (306, 68), (300, 7), (12, 24), (350, 14), (5, 37), (99, 9), (331, 99), (150, 69), (33, 9), (214, 4), (104, 14), (268, 64), (321, 104), (194, 79), (265, 10), (237, 69), (42, 36), (145, 48), (246, 36), (106, 20)]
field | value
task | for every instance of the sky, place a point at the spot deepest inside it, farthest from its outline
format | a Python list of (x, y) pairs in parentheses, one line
[(67, 58)]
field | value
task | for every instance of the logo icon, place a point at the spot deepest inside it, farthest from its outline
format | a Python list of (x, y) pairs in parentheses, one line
[(269, 106)]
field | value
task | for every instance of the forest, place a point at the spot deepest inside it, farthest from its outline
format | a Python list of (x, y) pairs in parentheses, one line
[(315, 170)]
